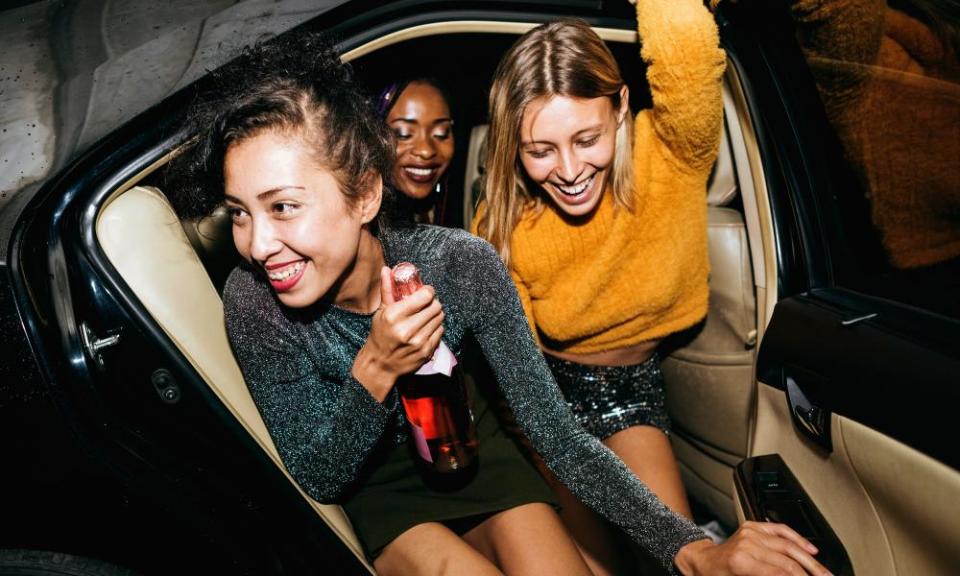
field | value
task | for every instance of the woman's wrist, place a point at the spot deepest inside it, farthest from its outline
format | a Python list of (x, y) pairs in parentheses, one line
[(368, 371), (687, 557)]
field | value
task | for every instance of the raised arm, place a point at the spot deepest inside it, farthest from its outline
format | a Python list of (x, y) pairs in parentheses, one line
[(323, 427), (681, 47)]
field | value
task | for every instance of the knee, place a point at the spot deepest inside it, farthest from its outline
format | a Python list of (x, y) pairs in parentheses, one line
[(430, 549), (403, 565)]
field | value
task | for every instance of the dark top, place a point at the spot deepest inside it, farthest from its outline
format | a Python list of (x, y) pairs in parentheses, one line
[(297, 364)]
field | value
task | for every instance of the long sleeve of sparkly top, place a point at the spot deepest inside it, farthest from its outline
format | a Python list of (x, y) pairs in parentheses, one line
[(592, 472), (323, 422)]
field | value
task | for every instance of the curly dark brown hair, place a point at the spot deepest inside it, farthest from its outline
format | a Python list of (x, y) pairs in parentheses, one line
[(295, 83)]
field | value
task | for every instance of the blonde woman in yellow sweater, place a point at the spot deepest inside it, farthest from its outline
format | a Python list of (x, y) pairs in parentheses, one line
[(601, 220)]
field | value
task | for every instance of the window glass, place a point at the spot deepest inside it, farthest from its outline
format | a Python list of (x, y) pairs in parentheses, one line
[(888, 75)]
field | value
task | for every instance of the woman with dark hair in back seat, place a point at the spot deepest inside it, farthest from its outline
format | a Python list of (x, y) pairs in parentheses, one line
[(418, 112)]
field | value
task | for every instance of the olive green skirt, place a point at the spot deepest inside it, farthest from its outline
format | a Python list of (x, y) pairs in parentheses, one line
[(397, 496)]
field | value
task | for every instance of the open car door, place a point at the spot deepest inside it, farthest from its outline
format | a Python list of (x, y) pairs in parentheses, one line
[(851, 442), (856, 399)]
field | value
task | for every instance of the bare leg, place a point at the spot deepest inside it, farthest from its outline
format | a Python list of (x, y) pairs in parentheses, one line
[(528, 540), (432, 549), (602, 548), (646, 451)]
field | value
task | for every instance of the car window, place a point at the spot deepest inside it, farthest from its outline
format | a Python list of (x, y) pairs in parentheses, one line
[(889, 80)]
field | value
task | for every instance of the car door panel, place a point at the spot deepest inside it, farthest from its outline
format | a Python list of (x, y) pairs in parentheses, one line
[(915, 497), (881, 374), (888, 366), (893, 507), (769, 491), (181, 298), (830, 481)]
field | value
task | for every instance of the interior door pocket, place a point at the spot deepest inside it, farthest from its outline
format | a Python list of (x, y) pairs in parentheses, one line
[(769, 492)]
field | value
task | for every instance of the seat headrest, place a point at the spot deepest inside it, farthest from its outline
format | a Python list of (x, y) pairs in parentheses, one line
[(212, 238)]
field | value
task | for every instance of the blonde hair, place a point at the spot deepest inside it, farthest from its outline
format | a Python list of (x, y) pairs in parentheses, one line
[(563, 58)]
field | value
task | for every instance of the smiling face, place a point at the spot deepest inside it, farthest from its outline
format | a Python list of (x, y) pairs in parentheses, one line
[(291, 220), (421, 121), (567, 147)]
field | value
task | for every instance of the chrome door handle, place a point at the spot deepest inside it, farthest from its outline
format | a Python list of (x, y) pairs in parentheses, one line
[(858, 319), (812, 420), (95, 345)]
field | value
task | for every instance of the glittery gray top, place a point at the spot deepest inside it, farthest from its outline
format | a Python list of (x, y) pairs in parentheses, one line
[(297, 364)]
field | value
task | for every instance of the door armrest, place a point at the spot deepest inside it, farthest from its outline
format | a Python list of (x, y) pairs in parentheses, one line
[(769, 492)]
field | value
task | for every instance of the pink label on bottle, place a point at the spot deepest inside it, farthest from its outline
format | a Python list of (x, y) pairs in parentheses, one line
[(442, 362), (421, 442)]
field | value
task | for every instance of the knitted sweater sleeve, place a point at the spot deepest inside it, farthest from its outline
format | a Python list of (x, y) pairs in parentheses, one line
[(579, 460), (681, 47)]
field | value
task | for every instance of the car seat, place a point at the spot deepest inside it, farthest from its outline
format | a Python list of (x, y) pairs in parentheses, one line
[(176, 289), (709, 379)]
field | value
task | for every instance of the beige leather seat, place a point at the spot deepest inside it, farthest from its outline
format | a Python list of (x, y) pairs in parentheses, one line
[(175, 288), (476, 155), (710, 380), (212, 238)]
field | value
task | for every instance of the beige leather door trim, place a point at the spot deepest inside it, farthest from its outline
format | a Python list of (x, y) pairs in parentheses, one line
[(830, 481), (471, 26), (916, 498), (894, 509)]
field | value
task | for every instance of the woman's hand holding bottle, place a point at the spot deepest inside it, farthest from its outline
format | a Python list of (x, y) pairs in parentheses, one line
[(403, 337)]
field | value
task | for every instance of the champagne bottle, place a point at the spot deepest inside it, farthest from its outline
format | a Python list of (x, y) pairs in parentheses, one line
[(435, 399)]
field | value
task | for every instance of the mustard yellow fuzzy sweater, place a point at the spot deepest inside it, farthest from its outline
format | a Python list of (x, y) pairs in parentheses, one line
[(624, 277)]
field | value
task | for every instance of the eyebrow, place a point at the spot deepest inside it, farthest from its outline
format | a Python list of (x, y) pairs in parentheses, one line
[(266, 194), (415, 121), (575, 134)]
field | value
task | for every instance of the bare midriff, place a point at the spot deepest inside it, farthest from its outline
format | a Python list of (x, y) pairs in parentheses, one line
[(635, 354)]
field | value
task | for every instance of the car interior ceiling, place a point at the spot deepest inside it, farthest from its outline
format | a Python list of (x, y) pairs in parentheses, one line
[(184, 297)]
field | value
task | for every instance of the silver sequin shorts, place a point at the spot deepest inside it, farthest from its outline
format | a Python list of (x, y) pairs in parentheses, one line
[(608, 399)]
